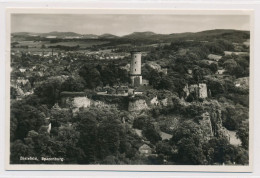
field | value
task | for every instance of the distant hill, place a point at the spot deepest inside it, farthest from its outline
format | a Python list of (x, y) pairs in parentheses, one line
[(90, 36), (136, 35), (60, 34), (21, 33), (232, 35), (108, 36), (208, 35)]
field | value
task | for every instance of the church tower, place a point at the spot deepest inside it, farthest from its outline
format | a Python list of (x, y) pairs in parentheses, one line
[(135, 68)]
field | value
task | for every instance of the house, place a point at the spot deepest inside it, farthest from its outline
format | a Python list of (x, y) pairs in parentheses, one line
[(22, 70), (154, 65), (154, 101), (242, 82), (214, 57), (22, 81), (220, 71), (165, 136), (228, 53), (145, 150)]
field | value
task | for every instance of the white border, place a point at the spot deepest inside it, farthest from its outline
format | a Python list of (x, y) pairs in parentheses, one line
[(161, 5)]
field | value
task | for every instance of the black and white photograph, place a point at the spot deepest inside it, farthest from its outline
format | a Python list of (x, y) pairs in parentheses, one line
[(130, 88)]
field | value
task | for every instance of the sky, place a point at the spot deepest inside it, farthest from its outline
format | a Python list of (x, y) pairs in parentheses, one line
[(125, 24)]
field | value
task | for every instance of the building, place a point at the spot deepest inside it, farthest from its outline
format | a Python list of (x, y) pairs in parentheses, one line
[(197, 90), (145, 150), (145, 82), (214, 57), (220, 71), (135, 68), (228, 53)]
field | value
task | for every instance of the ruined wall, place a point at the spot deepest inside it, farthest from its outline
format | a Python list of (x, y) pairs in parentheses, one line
[(75, 102), (203, 90), (217, 127), (137, 105), (206, 126), (78, 102), (198, 90)]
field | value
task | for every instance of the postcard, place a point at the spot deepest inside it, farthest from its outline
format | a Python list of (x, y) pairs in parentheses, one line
[(129, 90)]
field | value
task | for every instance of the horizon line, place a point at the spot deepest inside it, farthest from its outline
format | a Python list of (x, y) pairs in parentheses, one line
[(126, 34)]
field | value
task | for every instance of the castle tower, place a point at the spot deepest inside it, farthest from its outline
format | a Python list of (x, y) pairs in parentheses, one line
[(135, 68)]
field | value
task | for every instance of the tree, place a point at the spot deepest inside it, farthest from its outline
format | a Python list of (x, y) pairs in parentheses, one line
[(68, 136), (151, 134), (243, 134), (88, 127), (154, 78), (110, 135), (49, 90), (213, 67), (230, 65), (73, 84), (166, 83), (18, 149), (91, 76), (59, 117), (218, 150), (27, 118), (13, 93), (188, 140), (216, 87), (197, 74), (190, 153)]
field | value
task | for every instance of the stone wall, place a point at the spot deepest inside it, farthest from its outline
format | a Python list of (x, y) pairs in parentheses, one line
[(75, 102), (203, 90), (198, 90), (137, 105), (206, 126)]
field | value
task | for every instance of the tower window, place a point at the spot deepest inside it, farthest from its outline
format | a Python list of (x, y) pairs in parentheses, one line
[(135, 69), (135, 62)]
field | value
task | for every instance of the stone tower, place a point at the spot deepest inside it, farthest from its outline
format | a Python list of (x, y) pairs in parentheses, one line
[(135, 68)]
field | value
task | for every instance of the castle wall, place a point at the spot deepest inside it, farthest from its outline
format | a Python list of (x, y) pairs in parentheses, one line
[(137, 105), (203, 90)]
